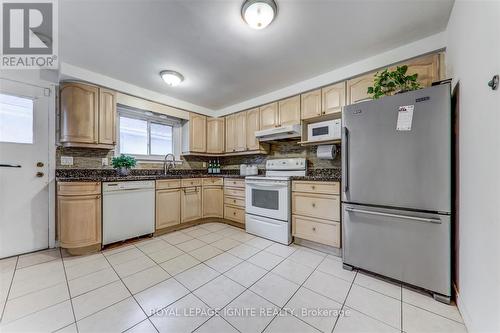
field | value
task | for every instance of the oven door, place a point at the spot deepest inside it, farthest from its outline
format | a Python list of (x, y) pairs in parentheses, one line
[(268, 198)]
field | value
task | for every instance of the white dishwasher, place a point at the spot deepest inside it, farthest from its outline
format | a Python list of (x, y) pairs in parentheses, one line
[(128, 210)]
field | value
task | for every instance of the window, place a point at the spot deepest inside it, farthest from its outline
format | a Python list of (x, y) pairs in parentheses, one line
[(146, 135), (16, 119)]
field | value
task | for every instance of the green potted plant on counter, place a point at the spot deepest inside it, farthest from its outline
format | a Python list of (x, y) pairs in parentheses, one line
[(388, 82), (123, 164)]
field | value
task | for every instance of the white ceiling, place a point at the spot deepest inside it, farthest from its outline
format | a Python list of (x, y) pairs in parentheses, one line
[(223, 60)]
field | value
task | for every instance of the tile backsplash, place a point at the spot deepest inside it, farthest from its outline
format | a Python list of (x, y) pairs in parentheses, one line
[(85, 158)]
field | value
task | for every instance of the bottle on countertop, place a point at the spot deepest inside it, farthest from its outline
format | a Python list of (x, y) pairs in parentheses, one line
[(217, 168), (210, 168)]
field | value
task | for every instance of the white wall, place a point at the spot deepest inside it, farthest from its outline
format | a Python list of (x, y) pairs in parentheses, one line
[(473, 56)]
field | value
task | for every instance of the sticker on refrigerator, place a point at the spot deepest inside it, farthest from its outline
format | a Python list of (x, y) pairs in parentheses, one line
[(405, 117)]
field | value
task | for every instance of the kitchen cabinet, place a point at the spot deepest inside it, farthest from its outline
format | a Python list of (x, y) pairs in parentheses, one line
[(195, 134), (230, 133), (168, 208), (191, 200), (234, 200), (269, 117), (310, 104), (357, 88), (215, 135), (240, 130), (79, 216), (333, 98), (253, 125), (316, 212), (289, 111), (213, 199), (87, 116), (427, 68)]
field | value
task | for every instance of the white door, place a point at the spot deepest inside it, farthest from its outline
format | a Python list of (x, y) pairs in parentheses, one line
[(24, 152)]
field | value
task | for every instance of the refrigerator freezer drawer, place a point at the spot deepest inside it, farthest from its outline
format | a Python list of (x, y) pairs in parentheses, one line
[(414, 248)]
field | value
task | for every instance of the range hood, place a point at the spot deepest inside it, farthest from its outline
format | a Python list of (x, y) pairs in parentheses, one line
[(278, 133)]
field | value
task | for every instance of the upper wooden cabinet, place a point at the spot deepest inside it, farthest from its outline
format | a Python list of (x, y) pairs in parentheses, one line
[(194, 134), (357, 88), (289, 111), (240, 130), (215, 135), (230, 133), (269, 117), (333, 98), (87, 116), (310, 103), (253, 125), (427, 68)]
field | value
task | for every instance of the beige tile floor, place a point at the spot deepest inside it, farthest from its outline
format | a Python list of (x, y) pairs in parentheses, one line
[(208, 278)]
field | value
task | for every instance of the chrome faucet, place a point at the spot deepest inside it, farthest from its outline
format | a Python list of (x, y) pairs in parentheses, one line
[(168, 164)]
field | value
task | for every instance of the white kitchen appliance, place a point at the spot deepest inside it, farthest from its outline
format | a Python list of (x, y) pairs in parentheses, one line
[(279, 133), (268, 199), (128, 210), (325, 130)]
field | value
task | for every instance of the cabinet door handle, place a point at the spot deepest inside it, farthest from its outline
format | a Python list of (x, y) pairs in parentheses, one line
[(314, 205)]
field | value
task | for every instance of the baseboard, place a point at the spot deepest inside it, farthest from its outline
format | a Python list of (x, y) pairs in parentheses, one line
[(462, 309)]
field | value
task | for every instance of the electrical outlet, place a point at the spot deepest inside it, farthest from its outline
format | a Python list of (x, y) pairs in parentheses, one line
[(204, 164), (66, 160), (104, 161)]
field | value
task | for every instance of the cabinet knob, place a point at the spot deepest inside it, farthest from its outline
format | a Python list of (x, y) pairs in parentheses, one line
[(314, 228), (234, 213), (314, 205), (313, 187), (40, 164), (234, 201), (39, 174)]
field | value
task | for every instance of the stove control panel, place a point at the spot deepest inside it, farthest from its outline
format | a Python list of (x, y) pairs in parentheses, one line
[(287, 164)]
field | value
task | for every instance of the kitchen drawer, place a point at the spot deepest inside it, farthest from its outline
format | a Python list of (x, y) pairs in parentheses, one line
[(191, 182), (315, 230), (234, 192), (316, 187), (235, 201), (78, 188), (164, 184), (234, 213), (322, 206), (213, 181), (233, 182)]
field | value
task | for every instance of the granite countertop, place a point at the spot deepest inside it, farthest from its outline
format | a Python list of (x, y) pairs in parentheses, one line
[(109, 175)]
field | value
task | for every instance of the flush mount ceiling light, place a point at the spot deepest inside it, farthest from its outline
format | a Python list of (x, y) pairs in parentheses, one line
[(258, 14), (172, 78)]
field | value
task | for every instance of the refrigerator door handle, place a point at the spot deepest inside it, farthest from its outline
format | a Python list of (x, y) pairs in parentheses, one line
[(346, 159), (414, 218)]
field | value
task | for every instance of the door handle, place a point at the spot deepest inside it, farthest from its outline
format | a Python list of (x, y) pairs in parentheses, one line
[(346, 159), (10, 166), (39, 174), (407, 217)]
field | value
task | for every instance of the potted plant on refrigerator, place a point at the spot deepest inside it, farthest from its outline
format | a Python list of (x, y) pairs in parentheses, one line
[(387, 83), (123, 164)]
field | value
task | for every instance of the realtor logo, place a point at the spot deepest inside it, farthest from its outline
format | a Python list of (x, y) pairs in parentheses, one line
[(29, 34)]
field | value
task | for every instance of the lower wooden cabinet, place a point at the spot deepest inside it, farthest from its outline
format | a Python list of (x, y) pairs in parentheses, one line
[(213, 201), (79, 214), (316, 230), (191, 204), (233, 213), (168, 208), (234, 200)]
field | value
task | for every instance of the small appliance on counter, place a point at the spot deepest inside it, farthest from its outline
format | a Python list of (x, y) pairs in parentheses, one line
[(268, 199), (324, 130), (248, 170)]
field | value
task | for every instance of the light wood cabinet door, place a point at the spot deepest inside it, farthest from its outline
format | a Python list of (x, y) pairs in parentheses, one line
[(269, 116), (197, 133), (357, 88), (426, 67), (215, 135), (316, 205), (253, 125), (310, 104), (230, 137), (168, 208), (289, 111), (79, 220), (333, 98), (191, 204), (79, 113), (240, 131), (107, 116), (213, 201)]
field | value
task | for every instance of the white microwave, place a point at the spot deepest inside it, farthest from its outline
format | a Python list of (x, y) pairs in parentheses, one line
[(325, 130)]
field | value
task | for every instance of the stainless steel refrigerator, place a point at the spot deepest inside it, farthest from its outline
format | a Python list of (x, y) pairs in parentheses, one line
[(396, 188)]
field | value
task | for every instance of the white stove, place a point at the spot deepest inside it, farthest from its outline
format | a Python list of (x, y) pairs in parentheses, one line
[(268, 199)]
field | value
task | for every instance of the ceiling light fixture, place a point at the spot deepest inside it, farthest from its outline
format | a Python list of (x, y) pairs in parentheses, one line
[(258, 14), (172, 78)]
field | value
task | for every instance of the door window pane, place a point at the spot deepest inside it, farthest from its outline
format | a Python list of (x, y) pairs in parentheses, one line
[(16, 119), (267, 199), (133, 136), (161, 139)]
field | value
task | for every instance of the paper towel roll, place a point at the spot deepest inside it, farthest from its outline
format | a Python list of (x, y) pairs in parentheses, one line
[(326, 152)]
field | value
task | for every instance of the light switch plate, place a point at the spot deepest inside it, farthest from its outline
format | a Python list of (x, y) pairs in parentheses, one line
[(105, 161), (66, 160)]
